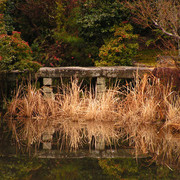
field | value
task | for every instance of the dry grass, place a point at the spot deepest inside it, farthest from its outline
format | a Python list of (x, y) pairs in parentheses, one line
[(71, 114), (148, 117), (151, 119)]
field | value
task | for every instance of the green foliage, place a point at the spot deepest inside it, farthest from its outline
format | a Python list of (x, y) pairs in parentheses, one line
[(147, 56), (67, 171), (116, 169), (2, 24), (8, 14), (15, 54), (72, 51), (119, 49), (97, 19), (19, 168), (35, 19), (65, 32), (2, 6), (128, 168), (69, 48)]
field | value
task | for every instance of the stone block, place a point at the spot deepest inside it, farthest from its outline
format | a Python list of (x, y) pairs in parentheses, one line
[(100, 85), (47, 137), (47, 146), (47, 81), (47, 89), (99, 143)]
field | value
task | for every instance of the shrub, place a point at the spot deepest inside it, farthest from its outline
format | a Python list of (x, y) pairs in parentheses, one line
[(120, 49), (2, 24), (98, 17), (96, 20), (15, 54)]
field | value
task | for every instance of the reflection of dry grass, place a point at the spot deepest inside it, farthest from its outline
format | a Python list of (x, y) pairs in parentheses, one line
[(148, 117)]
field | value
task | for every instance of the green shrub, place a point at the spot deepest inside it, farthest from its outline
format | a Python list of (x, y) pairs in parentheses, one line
[(119, 49), (15, 54), (68, 48), (96, 20), (2, 24)]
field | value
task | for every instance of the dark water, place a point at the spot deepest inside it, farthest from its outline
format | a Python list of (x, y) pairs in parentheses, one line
[(24, 168)]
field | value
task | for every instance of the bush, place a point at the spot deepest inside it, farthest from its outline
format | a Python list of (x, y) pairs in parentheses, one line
[(119, 49), (2, 24), (15, 54), (96, 20)]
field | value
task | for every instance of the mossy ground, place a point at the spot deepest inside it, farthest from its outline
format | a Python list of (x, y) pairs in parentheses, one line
[(148, 56)]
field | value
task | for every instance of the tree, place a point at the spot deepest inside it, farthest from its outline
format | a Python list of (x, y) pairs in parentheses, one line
[(96, 19), (15, 53), (163, 14), (34, 19), (6, 8), (119, 49)]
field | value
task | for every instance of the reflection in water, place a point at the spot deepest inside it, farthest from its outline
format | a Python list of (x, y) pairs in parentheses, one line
[(80, 134), (85, 168)]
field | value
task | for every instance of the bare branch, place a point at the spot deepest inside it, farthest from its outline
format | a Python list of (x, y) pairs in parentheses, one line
[(164, 14), (174, 35)]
